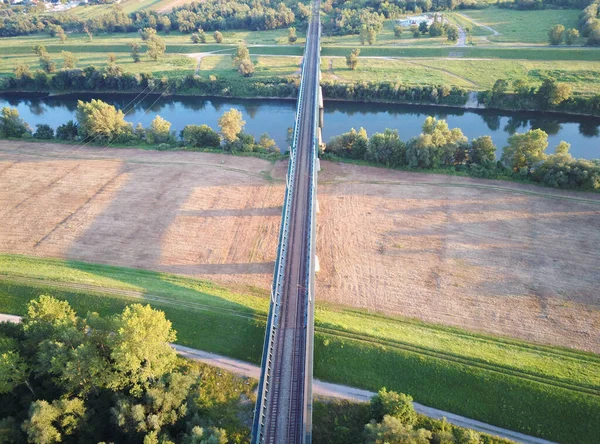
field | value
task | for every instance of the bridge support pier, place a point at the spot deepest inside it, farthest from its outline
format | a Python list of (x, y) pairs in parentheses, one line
[(317, 267)]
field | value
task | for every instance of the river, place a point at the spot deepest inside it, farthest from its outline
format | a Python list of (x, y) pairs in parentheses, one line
[(275, 116)]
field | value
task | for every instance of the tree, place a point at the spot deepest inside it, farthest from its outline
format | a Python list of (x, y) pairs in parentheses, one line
[(556, 34), (292, 37), (524, 150), (156, 47), (69, 60), (423, 27), (160, 130), (147, 34), (13, 371), (563, 148), (551, 93), (386, 148), (398, 31), (482, 150), (218, 37), (135, 52), (202, 35), (101, 120), (47, 64), (11, 125), (43, 131), (452, 33), (39, 50), (267, 143), (112, 57), (88, 30), (231, 124), (436, 29), (49, 423), (352, 144), (240, 54), (67, 131), (571, 35), (140, 349), (397, 405), (195, 38), (499, 89), (22, 71), (392, 431), (246, 68), (201, 136), (352, 59), (414, 29)]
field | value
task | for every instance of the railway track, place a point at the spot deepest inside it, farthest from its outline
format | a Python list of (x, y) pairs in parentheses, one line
[(285, 413)]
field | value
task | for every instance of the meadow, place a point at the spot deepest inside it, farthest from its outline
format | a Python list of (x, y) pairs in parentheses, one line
[(476, 75), (443, 367), (522, 27)]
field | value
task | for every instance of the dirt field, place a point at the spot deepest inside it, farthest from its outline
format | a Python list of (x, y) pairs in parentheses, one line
[(492, 256)]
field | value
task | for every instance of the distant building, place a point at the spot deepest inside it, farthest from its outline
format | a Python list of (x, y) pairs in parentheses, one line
[(416, 20)]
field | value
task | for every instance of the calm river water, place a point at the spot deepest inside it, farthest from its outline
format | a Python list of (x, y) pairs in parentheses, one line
[(275, 116)]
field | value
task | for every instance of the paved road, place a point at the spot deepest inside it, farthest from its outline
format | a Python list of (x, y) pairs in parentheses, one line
[(329, 390)]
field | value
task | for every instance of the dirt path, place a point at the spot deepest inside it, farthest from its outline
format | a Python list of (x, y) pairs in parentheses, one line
[(328, 390), (492, 30), (491, 256)]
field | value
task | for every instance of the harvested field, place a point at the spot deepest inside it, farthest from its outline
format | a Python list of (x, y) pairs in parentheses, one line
[(517, 260)]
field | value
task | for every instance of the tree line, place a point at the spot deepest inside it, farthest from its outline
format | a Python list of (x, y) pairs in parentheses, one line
[(438, 146), (549, 96), (98, 122), (211, 15)]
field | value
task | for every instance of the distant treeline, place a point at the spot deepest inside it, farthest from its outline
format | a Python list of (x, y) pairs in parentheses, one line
[(209, 16), (113, 78), (438, 146), (543, 4)]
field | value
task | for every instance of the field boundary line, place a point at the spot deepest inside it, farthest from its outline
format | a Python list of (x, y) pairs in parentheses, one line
[(462, 185)]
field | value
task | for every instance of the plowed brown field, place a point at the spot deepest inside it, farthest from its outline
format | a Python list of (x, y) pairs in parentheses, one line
[(517, 260)]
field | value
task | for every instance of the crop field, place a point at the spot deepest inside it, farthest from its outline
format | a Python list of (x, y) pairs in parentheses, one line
[(516, 26), (470, 74)]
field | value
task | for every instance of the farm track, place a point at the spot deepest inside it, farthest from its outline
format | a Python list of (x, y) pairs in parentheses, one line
[(342, 334)]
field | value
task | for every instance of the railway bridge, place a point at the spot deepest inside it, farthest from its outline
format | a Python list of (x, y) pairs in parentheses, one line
[(283, 412)]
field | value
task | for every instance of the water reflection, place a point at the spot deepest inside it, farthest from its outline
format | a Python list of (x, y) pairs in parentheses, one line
[(275, 116)]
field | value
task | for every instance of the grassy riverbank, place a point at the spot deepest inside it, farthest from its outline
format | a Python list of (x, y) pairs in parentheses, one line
[(545, 391)]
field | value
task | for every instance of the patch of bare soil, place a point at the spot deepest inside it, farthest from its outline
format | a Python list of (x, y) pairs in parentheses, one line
[(511, 259)]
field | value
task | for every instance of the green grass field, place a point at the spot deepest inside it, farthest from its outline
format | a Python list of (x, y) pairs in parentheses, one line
[(474, 75), (547, 391), (517, 26)]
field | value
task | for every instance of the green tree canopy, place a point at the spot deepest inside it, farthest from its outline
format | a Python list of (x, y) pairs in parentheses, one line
[(524, 150), (101, 120), (556, 34), (231, 124)]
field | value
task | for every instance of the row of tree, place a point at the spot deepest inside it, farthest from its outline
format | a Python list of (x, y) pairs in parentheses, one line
[(100, 123), (550, 95), (210, 15), (113, 77), (439, 146)]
